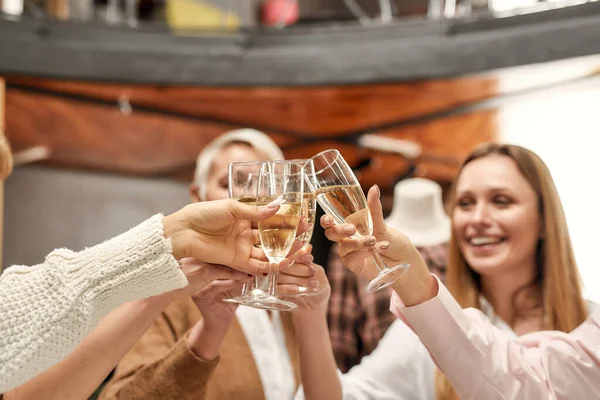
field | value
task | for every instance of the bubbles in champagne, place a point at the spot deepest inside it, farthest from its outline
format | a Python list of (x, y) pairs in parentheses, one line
[(309, 211), (347, 204), (278, 232)]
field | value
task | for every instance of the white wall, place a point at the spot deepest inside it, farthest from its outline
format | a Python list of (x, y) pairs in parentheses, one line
[(562, 128), (50, 208)]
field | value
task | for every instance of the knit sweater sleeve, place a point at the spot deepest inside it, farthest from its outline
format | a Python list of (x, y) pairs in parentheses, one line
[(47, 309)]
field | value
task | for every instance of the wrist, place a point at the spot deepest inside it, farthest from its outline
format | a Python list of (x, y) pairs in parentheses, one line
[(172, 226), (156, 303), (304, 319), (307, 327), (169, 225), (417, 285), (161, 301), (204, 340), (218, 326)]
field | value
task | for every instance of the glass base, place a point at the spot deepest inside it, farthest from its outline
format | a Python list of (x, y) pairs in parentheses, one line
[(235, 300), (305, 292), (387, 277), (244, 298), (270, 303)]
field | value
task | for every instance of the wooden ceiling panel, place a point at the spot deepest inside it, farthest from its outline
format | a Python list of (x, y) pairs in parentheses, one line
[(320, 111), (306, 111), (85, 128), (103, 138)]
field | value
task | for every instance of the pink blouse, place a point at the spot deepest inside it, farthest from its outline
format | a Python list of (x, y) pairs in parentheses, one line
[(482, 362)]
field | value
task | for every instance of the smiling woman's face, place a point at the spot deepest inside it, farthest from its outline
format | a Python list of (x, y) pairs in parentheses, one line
[(496, 218)]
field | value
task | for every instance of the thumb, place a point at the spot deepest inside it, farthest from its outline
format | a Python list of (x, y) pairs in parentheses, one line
[(374, 204), (253, 213)]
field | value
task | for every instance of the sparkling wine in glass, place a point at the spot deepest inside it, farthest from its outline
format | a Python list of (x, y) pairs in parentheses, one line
[(284, 181), (243, 187), (341, 197), (309, 213), (309, 205)]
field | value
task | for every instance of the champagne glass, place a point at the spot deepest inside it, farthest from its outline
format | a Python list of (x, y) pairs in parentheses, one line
[(309, 212), (341, 197), (243, 187), (284, 181)]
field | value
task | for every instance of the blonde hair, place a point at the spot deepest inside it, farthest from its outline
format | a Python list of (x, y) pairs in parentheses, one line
[(255, 139), (6, 159), (558, 284)]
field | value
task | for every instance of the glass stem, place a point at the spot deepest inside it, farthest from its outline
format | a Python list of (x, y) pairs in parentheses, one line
[(260, 283), (245, 286), (377, 260), (272, 279), (268, 284)]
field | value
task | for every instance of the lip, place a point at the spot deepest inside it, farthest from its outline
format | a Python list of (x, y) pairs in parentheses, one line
[(477, 237), (486, 249)]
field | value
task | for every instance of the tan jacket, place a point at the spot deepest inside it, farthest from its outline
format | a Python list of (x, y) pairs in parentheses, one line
[(160, 366)]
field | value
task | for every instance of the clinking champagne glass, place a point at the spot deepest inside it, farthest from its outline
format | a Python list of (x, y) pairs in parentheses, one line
[(309, 212), (309, 205), (243, 187), (284, 181), (340, 195)]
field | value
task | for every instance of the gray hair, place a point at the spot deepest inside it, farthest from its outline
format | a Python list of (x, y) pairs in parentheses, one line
[(258, 140)]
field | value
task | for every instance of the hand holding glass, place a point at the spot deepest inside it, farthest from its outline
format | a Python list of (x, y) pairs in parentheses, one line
[(340, 195)]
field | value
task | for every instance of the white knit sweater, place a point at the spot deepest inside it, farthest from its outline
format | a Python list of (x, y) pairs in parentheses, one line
[(47, 309)]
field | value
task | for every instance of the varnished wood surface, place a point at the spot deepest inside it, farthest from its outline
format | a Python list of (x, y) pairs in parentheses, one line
[(84, 127), (88, 136), (315, 111)]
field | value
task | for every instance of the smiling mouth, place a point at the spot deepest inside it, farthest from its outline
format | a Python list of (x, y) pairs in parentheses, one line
[(484, 240)]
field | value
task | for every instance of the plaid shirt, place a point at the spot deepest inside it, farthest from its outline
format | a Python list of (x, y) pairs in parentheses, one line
[(436, 258), (358, 319)]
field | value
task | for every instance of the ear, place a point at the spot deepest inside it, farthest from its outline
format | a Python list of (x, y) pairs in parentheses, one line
[(194, 193)]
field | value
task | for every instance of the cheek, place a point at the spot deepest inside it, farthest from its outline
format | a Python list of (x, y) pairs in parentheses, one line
[(524, 229), (459, 222), (214, 191)]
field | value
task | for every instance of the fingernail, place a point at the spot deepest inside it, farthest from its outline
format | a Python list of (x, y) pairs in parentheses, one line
[(276, 203), (378, 191), (327, 220), (307, 258), (384, 245), (349, 230), (314, 283), (370, 241)]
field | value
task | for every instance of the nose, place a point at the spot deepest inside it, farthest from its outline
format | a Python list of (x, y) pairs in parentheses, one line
[(480, 215)]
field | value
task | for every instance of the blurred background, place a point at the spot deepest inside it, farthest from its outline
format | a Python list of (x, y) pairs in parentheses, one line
[(107, 103)]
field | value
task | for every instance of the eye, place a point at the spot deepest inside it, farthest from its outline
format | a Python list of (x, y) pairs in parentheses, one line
[(502, 200), (465, 203)]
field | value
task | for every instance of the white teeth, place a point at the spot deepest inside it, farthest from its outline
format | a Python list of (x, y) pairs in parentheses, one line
[(482, 240)]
